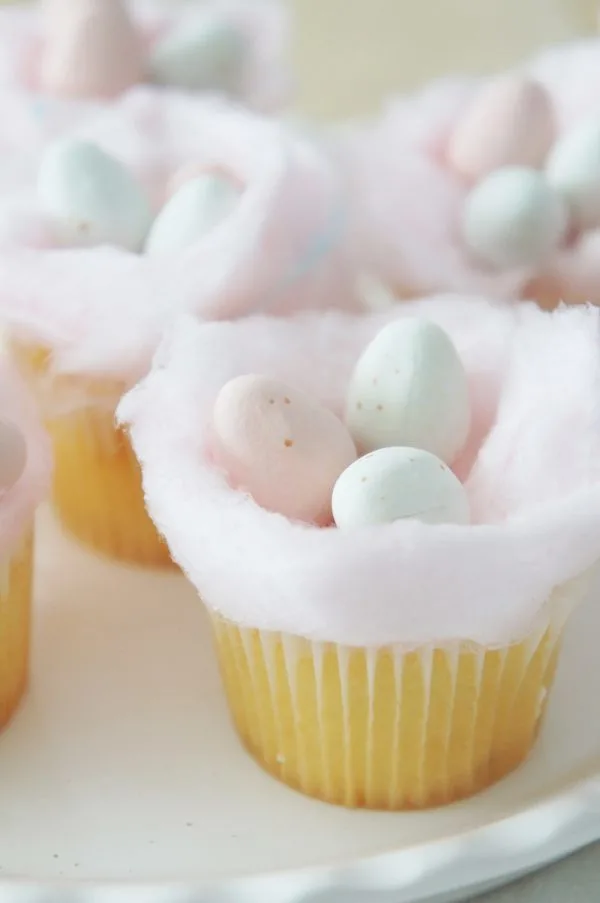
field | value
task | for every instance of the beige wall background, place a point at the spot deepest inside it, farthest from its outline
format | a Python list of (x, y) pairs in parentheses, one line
[(351, 53)]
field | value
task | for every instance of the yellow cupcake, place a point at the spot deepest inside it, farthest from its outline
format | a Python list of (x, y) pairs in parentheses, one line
[(402, 665), (380, 728), (97, 489), (16, 578), (24, 481)]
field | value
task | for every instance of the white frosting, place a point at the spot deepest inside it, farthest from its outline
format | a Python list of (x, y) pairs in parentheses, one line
[(393, 484), (513, 218), (573, 170), (409, 387), (90, 198), (197, 207)]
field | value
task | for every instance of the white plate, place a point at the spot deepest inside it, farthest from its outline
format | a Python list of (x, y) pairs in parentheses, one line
[(121, 780)]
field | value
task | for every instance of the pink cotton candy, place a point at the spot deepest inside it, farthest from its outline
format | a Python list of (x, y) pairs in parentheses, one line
[(408, 201), (283, 248), (18, 504), (531, 466), (37, 117)]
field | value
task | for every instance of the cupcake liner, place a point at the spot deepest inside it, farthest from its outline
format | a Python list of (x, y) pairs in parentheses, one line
[(97, 490), (16, 573), (388, 727), (97, 486), (399, 665)]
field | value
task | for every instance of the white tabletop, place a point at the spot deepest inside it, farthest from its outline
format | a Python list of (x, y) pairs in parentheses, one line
[(574, 880)]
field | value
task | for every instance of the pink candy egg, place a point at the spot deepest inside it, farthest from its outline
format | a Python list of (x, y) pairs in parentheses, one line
[(92, 49), (281, 446), (13, 455), (509, 123)]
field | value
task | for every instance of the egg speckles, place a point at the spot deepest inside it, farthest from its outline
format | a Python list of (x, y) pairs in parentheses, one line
[(89, 198), (285, 449), (393, 484), (409, 388)]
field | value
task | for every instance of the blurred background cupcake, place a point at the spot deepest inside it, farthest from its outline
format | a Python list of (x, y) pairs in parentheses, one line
[(200, 206), (25, 471), (63, 61)]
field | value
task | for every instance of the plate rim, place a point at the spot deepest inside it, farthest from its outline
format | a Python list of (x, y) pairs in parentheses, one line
[(534, 833)]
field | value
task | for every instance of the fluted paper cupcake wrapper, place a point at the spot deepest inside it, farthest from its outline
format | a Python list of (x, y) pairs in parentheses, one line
[(387, 728), (16, 579), (97, 491)]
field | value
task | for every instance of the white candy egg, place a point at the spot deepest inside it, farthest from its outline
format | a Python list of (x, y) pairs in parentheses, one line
[(13, 454), (573, 170), (90, 198), (514, 218), (208, 55), (195, 209), (410, 388), (393, 484)]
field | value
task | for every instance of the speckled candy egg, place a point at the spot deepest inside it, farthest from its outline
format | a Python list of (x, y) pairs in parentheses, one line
[(510, 122), (393, 484), (514, 218), (207, 55), (197, 207), (89, 198), (573, 170), (281, 446), (13, 455), (410, 388)]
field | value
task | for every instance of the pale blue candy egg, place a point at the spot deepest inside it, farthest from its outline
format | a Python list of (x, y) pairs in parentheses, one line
[(208, 55), (393, 484), (514, 218), (409, 388), (193, 211), (89, 198), (573, 170)]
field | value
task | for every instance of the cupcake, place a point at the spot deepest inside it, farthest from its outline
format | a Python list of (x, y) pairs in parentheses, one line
[(486, 185), (62, 62), (182, 205), (386, 663), (24, 481)]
